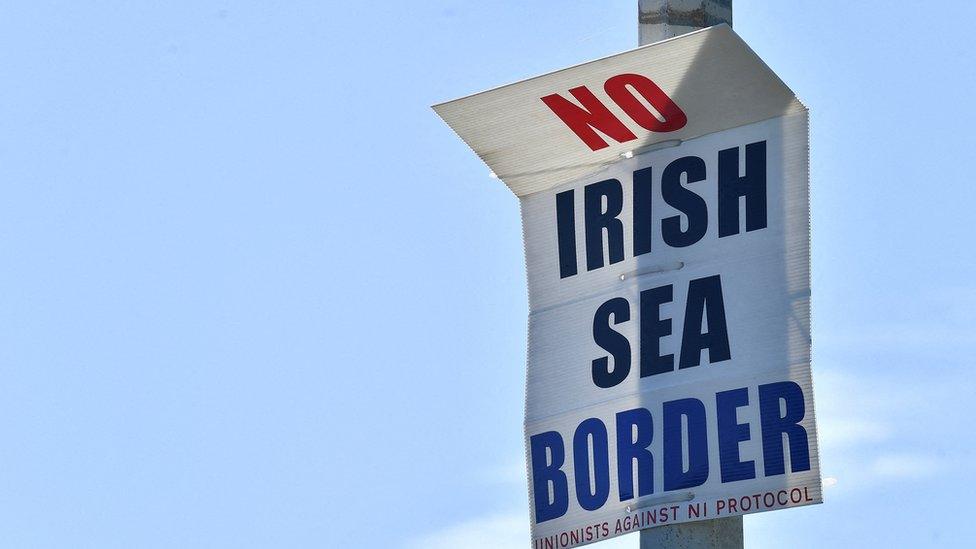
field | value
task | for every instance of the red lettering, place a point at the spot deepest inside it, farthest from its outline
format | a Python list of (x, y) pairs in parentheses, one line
[(745, 503), (593, 114), (672, 117)]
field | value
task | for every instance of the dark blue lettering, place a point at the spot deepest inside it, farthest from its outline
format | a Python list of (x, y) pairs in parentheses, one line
[(642, 211), (731, 188), (593, 429), (548, 472), (775, 425), (731, 433), (652, 329), (704, 299), (630, 448), (611, 341), (566, 233), (596, 219), (676, 476), (684, 200)]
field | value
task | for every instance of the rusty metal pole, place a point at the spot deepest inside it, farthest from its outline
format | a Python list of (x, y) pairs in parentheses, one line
[(659, 20)]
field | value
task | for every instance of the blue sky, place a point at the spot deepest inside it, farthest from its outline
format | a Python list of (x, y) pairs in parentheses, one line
[(255, 293)]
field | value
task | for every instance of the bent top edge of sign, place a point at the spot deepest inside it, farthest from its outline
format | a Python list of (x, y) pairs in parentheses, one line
[(558, 127)]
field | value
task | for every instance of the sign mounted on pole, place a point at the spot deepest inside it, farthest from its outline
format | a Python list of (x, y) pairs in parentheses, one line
[(664, 195)]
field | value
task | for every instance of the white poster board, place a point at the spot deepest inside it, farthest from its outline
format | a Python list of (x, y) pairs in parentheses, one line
[(664, 196)]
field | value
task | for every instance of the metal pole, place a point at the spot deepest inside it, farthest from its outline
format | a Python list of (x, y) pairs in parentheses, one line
[(659, 20)]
